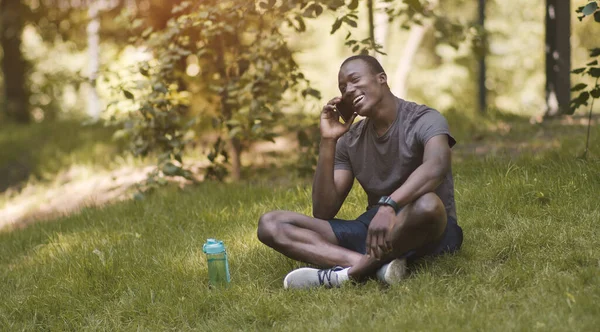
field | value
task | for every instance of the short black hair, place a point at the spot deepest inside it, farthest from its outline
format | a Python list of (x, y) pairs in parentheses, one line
[(372, 62)]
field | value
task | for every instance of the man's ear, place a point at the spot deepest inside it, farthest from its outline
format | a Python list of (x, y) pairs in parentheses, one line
[(382, 78)]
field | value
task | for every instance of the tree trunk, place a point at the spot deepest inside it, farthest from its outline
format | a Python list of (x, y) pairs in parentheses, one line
[(13, 63), (93, 107), (235, 146), (371, 23), (482, 88), (410, 49), (381, 28), (236, 158), (378, 26), (558, 57)]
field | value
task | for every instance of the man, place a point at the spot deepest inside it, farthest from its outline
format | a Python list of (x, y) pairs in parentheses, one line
[(400, 154)]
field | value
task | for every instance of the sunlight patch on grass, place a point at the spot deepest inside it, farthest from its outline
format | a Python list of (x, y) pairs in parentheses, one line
[(79, 186)]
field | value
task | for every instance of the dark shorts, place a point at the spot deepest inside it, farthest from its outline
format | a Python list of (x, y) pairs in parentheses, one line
[(352, 234)]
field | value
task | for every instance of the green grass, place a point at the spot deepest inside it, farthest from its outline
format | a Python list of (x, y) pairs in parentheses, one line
[(530, 259)]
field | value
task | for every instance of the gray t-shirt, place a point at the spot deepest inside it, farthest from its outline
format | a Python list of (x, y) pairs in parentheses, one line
[(382, 164)]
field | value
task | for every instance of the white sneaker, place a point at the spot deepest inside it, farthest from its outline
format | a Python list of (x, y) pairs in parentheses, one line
[(307, 277), (392, 272)]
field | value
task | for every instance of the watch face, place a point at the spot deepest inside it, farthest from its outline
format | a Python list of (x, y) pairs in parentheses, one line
[(384, 199)]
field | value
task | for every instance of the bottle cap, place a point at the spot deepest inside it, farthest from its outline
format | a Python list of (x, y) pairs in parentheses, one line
[(213, 246)]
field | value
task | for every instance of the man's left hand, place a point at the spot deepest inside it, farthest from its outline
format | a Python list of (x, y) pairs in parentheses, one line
[(378, 240)]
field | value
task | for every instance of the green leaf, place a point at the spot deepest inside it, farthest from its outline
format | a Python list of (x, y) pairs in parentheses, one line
[(597, 16), (233, 132), (415, 4), (128, 94), (233, 123), (578, 70), (593, 63), (590, 8), (178, 157), (313, 92), (146, 32), (336, 25), (308, 12), (594, 51), (318, 9), (353, 5), (350, 22), (580, 100), (355, 48), (159, 87), (596, 92), (335, 4), (579, 86), (301, 26), (171, 170), (594, 72)]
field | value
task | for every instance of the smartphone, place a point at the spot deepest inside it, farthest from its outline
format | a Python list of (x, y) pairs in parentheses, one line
[(345, 110)]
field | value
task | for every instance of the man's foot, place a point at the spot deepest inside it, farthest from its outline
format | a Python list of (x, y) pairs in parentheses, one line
[(307, 277), (392, 272)]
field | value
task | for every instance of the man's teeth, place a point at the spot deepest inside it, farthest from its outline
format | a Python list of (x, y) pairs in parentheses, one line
[(357, 99)]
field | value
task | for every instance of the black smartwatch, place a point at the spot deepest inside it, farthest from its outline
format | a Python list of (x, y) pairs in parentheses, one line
[(387, 200)]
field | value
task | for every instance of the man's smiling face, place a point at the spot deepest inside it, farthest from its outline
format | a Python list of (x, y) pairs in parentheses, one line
[(360, 86)]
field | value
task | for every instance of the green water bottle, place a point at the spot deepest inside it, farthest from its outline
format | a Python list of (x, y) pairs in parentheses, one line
[(218, 267)]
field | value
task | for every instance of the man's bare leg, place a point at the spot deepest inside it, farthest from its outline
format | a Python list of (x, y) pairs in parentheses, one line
[(303, 238), (419, 226)]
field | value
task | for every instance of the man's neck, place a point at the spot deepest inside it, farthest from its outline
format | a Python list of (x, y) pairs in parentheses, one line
[(385, 113)]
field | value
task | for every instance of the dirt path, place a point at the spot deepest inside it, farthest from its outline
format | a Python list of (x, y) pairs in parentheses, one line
[(71, 190)]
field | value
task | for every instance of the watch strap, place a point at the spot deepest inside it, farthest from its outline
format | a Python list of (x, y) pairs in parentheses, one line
[(387, 200)]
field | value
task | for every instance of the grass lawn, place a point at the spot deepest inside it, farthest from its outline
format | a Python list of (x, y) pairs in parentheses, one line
[(530, 259)]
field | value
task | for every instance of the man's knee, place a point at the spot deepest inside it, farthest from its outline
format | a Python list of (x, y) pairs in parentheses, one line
[(430, 206), (431, 214), (268, 226)]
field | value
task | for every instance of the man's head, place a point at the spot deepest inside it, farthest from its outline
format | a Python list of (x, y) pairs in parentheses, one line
[(362, 82)]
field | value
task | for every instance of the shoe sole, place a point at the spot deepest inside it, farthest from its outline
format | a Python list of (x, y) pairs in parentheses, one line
[(286, 284), (395, 272)]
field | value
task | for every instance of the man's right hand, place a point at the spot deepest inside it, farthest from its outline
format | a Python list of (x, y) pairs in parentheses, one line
[(331, 127)]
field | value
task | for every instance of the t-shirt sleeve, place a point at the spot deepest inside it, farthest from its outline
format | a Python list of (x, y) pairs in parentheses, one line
[(430, 124), (342, 158)]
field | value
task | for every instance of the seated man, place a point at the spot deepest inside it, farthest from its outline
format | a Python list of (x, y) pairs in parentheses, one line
[(400, 154)]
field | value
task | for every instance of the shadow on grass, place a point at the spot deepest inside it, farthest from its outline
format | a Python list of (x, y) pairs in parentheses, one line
[(42, 149)]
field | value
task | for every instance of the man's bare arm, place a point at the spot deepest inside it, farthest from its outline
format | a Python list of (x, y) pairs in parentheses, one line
[(427, 177), (330, 187)]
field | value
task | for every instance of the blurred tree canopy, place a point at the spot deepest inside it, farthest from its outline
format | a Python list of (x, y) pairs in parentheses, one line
[(231, 73)]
